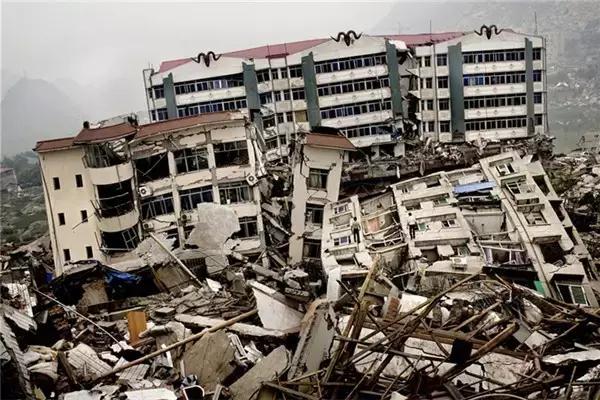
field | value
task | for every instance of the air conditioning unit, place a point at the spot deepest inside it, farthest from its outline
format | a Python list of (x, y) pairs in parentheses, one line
[(144, 191), (459, 263), (251, 179), (148, 226)]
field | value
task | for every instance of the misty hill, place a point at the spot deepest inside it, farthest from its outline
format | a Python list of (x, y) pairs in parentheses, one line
[(34, 109)]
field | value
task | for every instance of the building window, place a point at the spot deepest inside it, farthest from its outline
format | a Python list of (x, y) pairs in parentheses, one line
[(317, 178), (430, 126), (442, 59), (158, 205), (427, 61), (67, 254), (262, 76), (311, 249), (444, 104), (449, 223), (61, 219), (537, 53), (231, 153), (342, 208), (444, 126), (295, 71), (442, 82), (572, 293), (235, 192), (191, 197), (188, 160), (120, 241), (341, 241), (152, 168), (505, 169), (535, 218), (78, 180), (538, 119), (84, 216), (314, 214), (537, 98), (426, 83), (422, 226), (248, 228), (56, 183), (89, 252)]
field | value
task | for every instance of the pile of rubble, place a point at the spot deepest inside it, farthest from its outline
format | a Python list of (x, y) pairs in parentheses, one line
[(229, 336)]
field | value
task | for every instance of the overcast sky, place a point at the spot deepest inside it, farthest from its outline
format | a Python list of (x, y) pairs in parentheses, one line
[(96, 43)]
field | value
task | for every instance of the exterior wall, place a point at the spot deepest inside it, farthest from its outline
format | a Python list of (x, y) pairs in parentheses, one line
[(457, 92), (69, 200), (320, 158)]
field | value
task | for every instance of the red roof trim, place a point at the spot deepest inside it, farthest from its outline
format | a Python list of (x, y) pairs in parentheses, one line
[(54, 144), (329, 141)]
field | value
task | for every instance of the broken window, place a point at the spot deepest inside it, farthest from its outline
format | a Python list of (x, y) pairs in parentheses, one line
[(115, 199), (120, 241), (78, 180), (191, 197), (311, 248), (231, 153), (84, 216), (317, 178), (152, 168), (449, 223), (101, 155), (67, 254), (235, 192), (158, 205), (422, 226), (188, 160), (552, 253), (462, 250), (248, 228), (541, 183), (56, 183), (61, 219), (314, 214), (535, 218), (505, 169), (89, 252), (572, 293)]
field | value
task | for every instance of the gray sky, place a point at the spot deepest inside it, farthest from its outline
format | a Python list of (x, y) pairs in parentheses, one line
[(108, 44)]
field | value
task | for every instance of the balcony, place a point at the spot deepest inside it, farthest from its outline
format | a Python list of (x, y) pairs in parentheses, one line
[(354, 97), (361, 119), (496, 134), (352, 74), (113, 174), (121, 222), (490, 67), (496, 112), (491, 90), (210, 95)]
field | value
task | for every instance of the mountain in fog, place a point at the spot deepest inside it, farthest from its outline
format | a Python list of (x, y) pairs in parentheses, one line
[(34, 109)]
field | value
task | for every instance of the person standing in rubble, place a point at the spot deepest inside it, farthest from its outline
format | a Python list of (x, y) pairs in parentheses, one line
[(412, 225), (356, 230)]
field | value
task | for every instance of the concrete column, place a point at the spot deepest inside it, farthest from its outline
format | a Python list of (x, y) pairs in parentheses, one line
[(529, 87), (310, 89), (169, 88), (251, 86), (394, 76), (457, 96)]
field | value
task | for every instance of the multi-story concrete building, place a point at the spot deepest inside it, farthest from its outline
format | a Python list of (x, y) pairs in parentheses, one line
[(501, 215), (453, 86), (108, 184), (317, 172), (481, 87)]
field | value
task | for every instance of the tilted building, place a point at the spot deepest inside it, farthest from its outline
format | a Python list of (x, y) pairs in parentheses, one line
[(500, 216), (106, 185)]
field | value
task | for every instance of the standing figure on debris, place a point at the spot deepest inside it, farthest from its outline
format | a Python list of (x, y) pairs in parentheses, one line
[(412, 225), (356, 230)]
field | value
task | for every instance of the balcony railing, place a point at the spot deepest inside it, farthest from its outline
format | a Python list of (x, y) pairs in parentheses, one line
[(116, 205)]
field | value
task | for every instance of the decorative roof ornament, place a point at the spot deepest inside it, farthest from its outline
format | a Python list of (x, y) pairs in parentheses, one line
[(206, 58), (348, 37), (489, 30)]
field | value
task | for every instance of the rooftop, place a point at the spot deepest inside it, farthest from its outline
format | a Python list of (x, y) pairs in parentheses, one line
[(283, 49), (329, 141)]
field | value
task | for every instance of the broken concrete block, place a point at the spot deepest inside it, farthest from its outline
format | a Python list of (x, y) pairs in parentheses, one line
[(164, 312), (273, 310), (265, 370), (86, 362), (210, 359)]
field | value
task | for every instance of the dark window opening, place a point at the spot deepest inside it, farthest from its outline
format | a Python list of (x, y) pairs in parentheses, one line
[(89, 252), (572, 293), (191, 197), (188, 160), (78, 180), (317, 178), (115, 199), (67, 254), (235, 192), (311, 248), (158, 205), (84, 216), (248, 228), (152, 168), (541, 182), (231, 153), (314, 214), (552, 252), (61, 219), (100, 155), (120, 241), (56, 183)]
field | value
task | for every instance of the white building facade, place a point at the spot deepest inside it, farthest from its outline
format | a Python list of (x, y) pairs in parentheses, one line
[(108, 185)]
